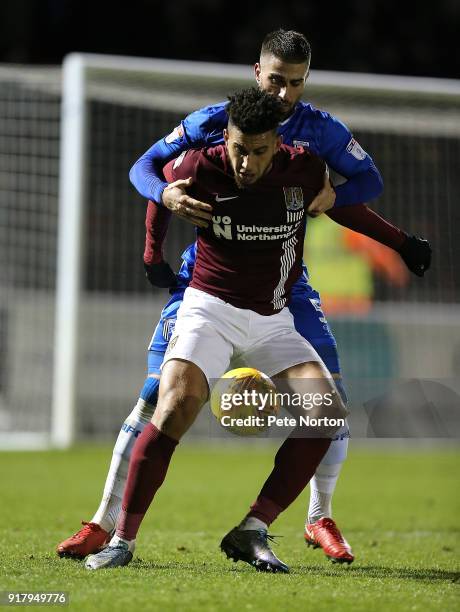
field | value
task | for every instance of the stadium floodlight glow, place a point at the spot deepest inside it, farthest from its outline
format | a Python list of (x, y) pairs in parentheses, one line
[(76, 317)]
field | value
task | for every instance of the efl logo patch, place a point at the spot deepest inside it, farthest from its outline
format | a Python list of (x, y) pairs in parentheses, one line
[(301, 144), (177, 133), (354, 148), (293, 197)]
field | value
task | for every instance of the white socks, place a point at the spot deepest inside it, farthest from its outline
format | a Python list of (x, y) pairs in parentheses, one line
[(110, 506), (251, 524), (322, 487), (130, 543)]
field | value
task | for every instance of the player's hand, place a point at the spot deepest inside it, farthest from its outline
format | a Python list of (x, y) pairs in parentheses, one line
[(178, 202), (160, 275), (324, 200), (416, 254)]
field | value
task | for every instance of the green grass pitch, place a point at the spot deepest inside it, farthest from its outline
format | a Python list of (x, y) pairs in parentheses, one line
[(399, 510)]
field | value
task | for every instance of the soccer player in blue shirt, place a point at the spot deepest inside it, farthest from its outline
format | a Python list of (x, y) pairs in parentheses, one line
[(282, 71)]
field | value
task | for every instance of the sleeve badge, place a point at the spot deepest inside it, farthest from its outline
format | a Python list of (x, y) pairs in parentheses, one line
[(176, 134), (354, 149)]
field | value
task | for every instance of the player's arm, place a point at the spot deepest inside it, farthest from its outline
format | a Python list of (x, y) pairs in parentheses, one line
[(147, 177), (157, 270), (343, 154), (180, 173), (340, 150), (147, 173), (150, 183), (415, 251)]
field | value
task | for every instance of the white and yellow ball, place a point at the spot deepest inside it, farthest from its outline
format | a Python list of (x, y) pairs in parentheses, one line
[(242, 400)]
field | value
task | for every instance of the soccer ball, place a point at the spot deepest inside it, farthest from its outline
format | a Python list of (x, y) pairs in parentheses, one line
[(242, 400)]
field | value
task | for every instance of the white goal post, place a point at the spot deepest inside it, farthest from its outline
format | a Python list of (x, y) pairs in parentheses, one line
[(112, 109)]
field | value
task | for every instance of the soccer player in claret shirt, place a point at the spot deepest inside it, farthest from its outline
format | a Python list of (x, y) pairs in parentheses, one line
[(247, 261), (282, 71)]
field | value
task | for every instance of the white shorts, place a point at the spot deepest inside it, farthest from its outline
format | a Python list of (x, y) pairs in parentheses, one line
[(211, 333)]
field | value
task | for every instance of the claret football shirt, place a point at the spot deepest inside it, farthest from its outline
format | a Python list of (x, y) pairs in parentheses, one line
[(251, 253)]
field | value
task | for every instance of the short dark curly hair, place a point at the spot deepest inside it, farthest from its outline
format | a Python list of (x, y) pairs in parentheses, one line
[(287, 45), (254, 111)]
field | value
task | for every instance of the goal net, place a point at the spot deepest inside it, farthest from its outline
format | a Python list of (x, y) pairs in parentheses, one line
[(76, 312)]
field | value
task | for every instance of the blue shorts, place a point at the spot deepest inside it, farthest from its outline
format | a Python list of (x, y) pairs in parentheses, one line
[(309, 321)]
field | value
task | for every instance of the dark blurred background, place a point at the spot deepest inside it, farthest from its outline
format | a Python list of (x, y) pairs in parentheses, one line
[(383, 36)]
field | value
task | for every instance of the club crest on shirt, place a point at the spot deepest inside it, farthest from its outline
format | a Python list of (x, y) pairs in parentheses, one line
[(293, 197)]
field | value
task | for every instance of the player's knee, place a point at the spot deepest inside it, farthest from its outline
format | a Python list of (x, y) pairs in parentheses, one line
[(330, 403), (177, 409), (330, 416), (177, 400), (336, 410), (174, 419)]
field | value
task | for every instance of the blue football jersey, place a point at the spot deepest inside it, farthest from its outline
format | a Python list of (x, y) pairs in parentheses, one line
[(307, 127)]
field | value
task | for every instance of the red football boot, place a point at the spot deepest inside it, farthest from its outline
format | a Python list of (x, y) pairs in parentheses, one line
[(90, 539), (326, 535)]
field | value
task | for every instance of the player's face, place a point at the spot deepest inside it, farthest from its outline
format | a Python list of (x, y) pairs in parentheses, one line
[(250, 156), (287, 81)]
